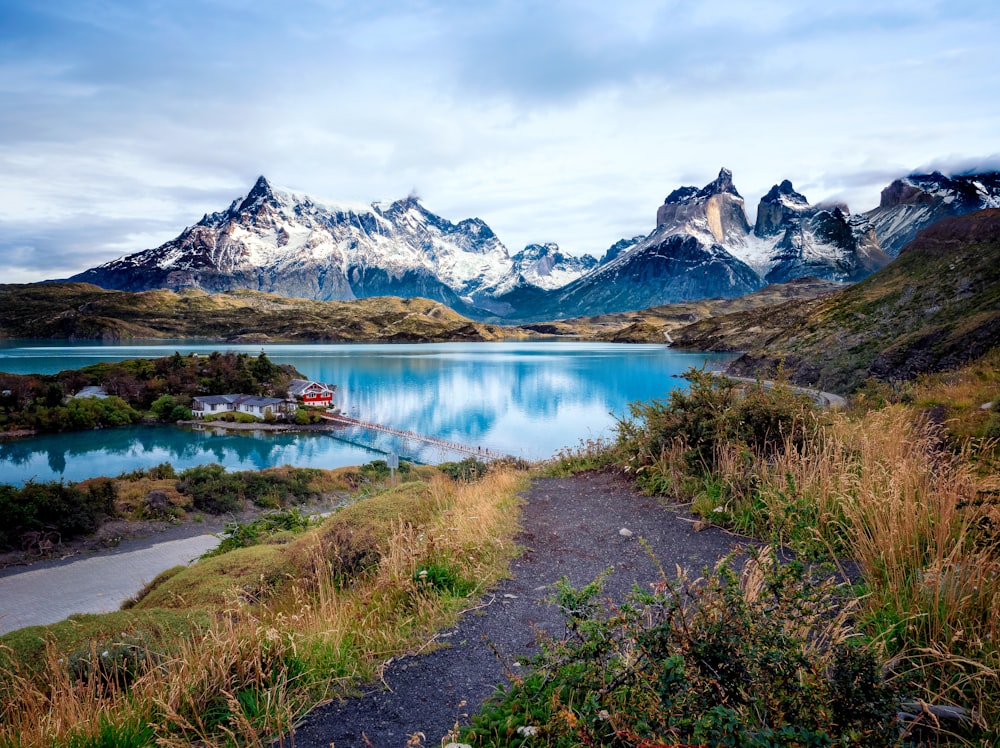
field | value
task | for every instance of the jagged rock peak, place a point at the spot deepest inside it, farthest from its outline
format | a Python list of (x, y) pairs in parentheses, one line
[(902, 193), (784, 193), (260, 193), (537, 251), (723, 184), (778, 208), (715, 211)]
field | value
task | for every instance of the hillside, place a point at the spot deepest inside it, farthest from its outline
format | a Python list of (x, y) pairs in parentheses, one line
[(935, 307), (80, 311), (658, 324)]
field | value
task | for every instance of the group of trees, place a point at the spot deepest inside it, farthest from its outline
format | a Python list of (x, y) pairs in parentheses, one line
[(163, 387)]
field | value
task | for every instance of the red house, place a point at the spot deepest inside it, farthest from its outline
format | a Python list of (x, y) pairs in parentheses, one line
[(311, 393)]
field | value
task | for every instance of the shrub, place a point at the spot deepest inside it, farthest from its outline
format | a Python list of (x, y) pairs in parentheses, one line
[(378, 470), (163, 471), (243, 534), (468, 470), (209, 489), (68, 510), (115, 663), (306, 416), (664, 442), (214, 490), (760, 659)]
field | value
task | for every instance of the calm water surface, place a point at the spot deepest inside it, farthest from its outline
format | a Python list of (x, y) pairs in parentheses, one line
[(525, 399)]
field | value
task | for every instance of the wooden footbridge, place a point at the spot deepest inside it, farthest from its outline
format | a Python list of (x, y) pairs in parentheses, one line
[(480, 452)]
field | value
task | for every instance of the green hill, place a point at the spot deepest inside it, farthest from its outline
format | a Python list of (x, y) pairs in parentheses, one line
[(934, 308)]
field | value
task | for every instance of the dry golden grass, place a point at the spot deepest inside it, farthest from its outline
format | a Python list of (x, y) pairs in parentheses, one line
[(263, 661), (920, 522)]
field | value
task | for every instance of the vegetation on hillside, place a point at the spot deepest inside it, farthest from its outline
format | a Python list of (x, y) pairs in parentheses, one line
[(231, 650), (80, 311), (658, 324), (56, 512), (891, 486), (934, 308), (162, 387)]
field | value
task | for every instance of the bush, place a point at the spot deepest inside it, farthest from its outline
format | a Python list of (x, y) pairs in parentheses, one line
[(243, 534), (163, 471), (306, 416), (665, 441), (215, 491), (758, 660), (66, 510), (378, 470), (114, 663), (468, 470)]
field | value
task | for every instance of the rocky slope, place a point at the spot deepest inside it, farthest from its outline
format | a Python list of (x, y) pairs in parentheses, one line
[(935, 307)]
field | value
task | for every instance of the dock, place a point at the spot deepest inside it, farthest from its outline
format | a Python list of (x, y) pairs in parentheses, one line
[(480, 452)]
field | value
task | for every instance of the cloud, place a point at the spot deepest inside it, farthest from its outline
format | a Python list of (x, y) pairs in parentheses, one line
[(562, 121), (954, 165)]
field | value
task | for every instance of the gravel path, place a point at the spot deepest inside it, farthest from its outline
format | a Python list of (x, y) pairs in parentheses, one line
[(572, 528)]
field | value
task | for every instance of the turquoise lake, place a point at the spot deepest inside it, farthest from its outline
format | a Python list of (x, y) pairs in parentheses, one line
[(525, 399)]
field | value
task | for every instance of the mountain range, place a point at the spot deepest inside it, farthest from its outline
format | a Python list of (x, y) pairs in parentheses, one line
[(280, 241), (935, 307)]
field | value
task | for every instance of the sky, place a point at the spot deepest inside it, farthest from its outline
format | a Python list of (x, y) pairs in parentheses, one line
[(123, 122)]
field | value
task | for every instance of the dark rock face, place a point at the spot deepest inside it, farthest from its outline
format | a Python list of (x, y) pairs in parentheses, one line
[(778, 208), (827, 244), (618, 248), (823, 241)]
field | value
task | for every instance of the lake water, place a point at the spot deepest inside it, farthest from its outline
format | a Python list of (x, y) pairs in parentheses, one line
[(523, 399)]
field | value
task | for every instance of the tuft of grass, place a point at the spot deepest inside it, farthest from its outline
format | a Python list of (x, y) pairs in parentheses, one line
[(895, 484), (260, 634), (757, 659)]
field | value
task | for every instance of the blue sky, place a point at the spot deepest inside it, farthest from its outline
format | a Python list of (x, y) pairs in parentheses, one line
[(123, 122)]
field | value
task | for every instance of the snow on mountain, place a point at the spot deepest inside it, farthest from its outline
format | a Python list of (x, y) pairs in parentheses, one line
[(286, 242), (546, 266), (289, 243), (915, 202)]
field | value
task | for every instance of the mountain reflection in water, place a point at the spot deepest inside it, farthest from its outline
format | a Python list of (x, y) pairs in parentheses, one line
[(525, 399)]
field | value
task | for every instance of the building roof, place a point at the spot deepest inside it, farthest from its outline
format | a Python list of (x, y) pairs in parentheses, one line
[(259, 402), (218, 399), (298, 386)]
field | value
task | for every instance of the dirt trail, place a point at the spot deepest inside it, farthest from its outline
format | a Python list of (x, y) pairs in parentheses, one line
[(572, 528)]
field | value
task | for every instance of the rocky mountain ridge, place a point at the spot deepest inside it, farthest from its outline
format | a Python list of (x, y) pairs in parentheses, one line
[(703, 246), (279, 241), (934, 308)]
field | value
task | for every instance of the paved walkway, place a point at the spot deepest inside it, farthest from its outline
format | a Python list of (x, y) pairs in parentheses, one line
[(90, 585)]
